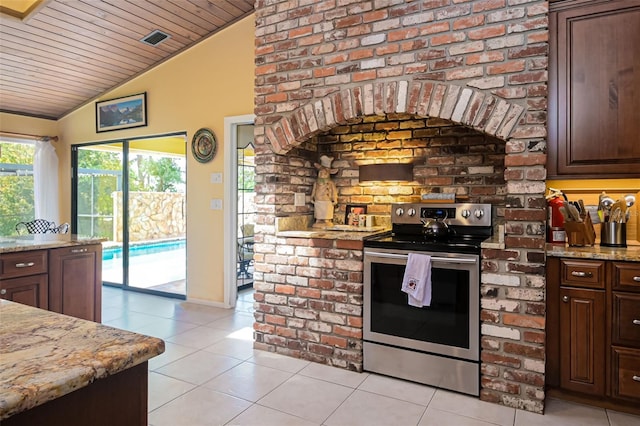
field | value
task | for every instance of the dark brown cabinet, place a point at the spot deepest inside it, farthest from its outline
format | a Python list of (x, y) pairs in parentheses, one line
[(23, 278), (67, 280), (594, 76), (75, 280), (582, 340), (593, 331), (31, 290)]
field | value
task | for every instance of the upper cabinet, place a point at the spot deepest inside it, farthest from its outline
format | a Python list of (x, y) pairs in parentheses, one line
[(594, 89)]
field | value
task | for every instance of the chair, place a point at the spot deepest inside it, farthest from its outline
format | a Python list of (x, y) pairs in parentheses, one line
[(41, 226), (245, 251)]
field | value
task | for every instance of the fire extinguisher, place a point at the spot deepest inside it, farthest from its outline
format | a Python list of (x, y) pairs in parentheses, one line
[(555, 219)]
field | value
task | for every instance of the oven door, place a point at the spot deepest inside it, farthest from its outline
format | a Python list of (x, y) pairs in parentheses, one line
[(449, 326)]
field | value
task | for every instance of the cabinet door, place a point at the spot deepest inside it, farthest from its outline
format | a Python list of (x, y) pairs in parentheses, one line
[(582, 340), (31, 290), (75, 281), (593, 83)]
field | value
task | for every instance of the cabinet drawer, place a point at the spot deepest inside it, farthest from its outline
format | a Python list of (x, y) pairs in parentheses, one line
[(626, 319), (23, 264), (626, 373), (582, 273), (626, 276)]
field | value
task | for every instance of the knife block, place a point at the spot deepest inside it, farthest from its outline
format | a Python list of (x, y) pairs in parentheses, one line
[(580, 233)]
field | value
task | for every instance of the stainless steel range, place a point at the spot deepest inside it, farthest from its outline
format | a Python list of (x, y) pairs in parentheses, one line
[(439, 344)]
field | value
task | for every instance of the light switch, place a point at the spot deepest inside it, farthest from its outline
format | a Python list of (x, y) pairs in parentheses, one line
[(216, 177), (298, 199), (216, 204)]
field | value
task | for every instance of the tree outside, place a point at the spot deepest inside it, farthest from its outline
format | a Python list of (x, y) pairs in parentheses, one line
[(16, 185), (99, 177)]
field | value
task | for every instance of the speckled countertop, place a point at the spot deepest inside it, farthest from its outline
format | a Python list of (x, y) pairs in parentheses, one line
[(629, 254), (302, 227), (44, 241), (338, 232), (45, 355)]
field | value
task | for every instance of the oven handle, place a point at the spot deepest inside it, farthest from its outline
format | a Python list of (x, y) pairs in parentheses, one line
[(433, 259)]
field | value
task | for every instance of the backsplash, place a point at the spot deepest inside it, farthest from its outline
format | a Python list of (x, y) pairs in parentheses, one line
[(590, 190)]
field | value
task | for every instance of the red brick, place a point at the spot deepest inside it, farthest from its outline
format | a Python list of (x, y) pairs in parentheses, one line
[(339, 342), (523, 321), (494, 358), (487, 32), (507, 67), (500, 385), (528, 351)]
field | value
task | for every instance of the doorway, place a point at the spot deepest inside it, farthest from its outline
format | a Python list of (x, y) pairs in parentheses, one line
[(239, 208), (246, 208), (132, 193)]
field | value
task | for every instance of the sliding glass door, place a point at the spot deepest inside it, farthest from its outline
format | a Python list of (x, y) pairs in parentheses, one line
[(132, 193)]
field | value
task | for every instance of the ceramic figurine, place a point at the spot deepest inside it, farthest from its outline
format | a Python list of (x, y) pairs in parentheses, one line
[(324, 195)]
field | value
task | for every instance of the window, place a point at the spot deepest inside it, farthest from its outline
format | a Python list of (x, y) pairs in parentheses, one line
[(16, 184)]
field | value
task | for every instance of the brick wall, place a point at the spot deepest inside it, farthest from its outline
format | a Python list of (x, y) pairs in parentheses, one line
[(323, 65)]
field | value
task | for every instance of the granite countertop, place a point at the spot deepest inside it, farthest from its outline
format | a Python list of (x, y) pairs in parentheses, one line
[(44, 241), (336, 232), (45, 355), (629, 254)]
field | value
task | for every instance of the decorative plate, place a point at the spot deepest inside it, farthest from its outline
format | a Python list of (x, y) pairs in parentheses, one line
[(204, 145)]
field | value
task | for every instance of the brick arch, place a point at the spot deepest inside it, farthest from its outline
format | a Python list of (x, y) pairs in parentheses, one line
[(464, 105)]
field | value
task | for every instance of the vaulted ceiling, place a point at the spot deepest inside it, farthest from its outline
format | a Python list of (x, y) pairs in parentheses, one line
[(66, 53)]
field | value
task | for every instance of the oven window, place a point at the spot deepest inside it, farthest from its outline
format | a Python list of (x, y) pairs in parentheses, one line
[(445, 322)]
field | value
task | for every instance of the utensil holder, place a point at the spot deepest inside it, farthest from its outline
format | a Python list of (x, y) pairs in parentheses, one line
[(613, 234), (580, 233)]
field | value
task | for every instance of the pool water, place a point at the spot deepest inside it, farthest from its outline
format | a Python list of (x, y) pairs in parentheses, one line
[(139, 249), (151, 264)]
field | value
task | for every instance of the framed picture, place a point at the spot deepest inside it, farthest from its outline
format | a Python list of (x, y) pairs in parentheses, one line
[(352, 213), (121, 113)]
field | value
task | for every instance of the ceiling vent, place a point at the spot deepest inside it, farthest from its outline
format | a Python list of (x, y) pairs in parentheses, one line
[(155, 38)]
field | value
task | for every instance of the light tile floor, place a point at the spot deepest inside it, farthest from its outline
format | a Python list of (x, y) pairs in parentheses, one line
[(211, 375)]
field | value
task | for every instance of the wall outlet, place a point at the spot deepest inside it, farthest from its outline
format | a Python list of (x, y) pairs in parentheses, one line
[(216, 204), (216, 177), (299, 199)]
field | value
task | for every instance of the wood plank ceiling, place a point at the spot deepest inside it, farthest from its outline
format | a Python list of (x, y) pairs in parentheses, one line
[(68, 52)]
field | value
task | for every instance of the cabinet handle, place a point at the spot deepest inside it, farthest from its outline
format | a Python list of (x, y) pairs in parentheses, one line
[(81, 250), (581, 274), (637, 279), (3, 291), (25, 265), (636, 378), (565, 299), (636, 322)]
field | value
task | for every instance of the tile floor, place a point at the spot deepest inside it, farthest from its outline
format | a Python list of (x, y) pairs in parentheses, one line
[(211, 375)]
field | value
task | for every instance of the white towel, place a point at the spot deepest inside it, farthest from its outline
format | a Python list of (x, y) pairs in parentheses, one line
[(417, 280)]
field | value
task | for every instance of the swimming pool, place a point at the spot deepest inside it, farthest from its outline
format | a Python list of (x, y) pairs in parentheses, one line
[(153, 264), (145, 248)]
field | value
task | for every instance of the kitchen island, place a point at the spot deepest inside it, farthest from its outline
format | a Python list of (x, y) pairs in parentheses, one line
[(58, 272), (56, 369)]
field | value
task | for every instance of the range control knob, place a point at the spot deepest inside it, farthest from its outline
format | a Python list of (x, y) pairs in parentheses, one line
[(466, 213), (479, 214), (411, 212), (399, 211)]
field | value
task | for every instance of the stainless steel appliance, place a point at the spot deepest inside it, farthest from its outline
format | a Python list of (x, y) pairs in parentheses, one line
[(438, 345)]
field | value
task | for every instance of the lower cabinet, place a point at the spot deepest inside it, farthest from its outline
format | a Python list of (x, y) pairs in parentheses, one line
[(67, 280), (582, 340), (75, 280), (31, 290), (593, 332)]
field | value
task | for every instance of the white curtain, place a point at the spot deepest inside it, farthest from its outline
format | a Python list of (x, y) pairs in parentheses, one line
[(45, 182)]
